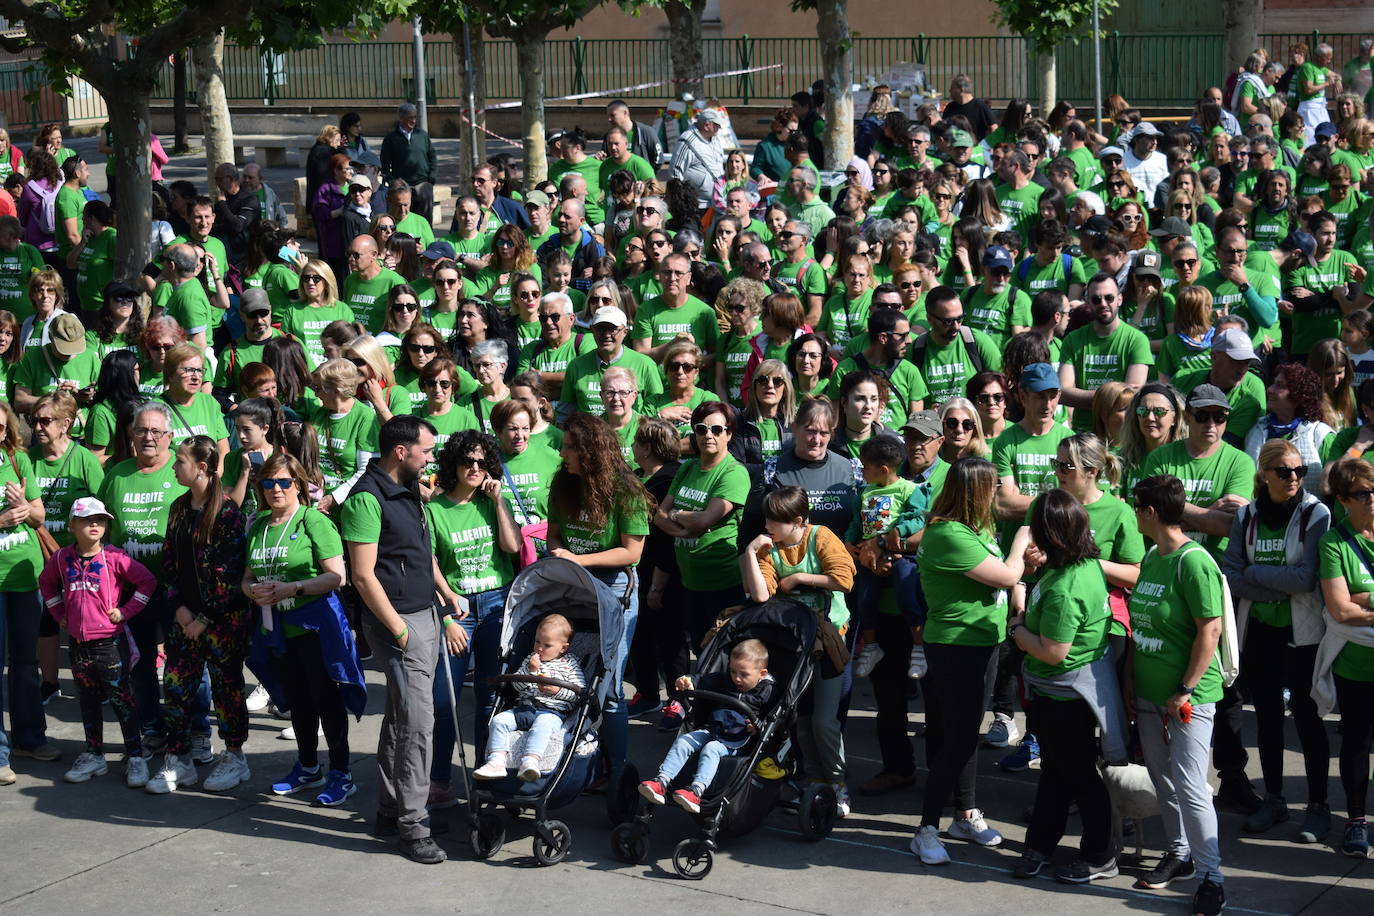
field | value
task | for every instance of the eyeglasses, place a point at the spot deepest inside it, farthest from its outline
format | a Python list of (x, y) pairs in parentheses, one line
[(1216, 417), (1359, 495), (954, 424), (443, 384), (42, 421), (770, 381), (147, 432), (446, 281), (715, 429), (737, 309), (1159, 413), (1290, 473), (469, 461), (990, 397), (421, 348), (616, 393), (1106, 299), (270, 483), (191, 370), (1186, 262), (405, 306), (681, 367), (311, 278), (160, 347)]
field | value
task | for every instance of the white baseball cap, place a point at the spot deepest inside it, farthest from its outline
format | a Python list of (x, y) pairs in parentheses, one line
[(609, 314)]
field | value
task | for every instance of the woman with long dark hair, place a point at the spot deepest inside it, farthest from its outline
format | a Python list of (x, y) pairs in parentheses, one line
[(115, 387)]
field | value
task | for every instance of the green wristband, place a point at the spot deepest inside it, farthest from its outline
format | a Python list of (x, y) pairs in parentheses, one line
[(401, 635)]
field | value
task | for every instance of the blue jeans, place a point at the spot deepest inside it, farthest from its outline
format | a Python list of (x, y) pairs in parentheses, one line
[(868, 591), (615, 720), (486, 611), (20, 613), (712, 749), (539, 721)]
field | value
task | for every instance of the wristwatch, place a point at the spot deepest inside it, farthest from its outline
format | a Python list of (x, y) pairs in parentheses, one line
[(1011, 631), (300, 589), (1244, 288), (1184, 690)]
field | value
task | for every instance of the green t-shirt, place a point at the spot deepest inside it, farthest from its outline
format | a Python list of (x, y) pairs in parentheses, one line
[(140, 503), (879, 506), (1310, 72), (69, 204), (1029, 461), (1022, 206), (1226, 296), (963, 612), (995, 314), (708, 561), (464, 539), (1178, 355), (342, 438), (1247, 398), (367, 298), (629, 516), (1336, 560), (1033, 278), (538, 355), (660, 323), (843, 318), (233, 358), (292, 551), (100, 424), (488, 285), (698, 397), (582, 379), (947, 368), (1097, 360), (1173, 591), (305, 323), (904, 383), (202, 417), (16, 267), (1268, 229), (590, 170), (1310, 328), (95, 269), (416, 226), (21, 559), (637, 166), (36, 368), (532, 473), (1271, 550), (74, 475), (1114, 529), (190, 306), (1069, 605), (812, 282), (1227, 471), (278, 281), (445, 426), (733, 352)]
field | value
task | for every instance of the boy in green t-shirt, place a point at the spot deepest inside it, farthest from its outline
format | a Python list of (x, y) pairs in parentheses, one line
[(887, 503)]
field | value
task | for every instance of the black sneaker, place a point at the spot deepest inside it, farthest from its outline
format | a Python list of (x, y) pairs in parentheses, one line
[(1238, 795), (1170, 868), (1316, 823), (1356, 840), (49, 690), (424, 850), (1209, 899), (1081, 871), (1271, 813), (1031, 864)]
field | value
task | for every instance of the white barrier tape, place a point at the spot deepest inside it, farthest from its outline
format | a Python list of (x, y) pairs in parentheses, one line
[(623, 89)]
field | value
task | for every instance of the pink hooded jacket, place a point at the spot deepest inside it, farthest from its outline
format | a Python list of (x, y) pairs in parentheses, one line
[(80, 594)]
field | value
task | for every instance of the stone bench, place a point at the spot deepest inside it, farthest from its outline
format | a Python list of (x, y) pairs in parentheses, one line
[(271, 151)]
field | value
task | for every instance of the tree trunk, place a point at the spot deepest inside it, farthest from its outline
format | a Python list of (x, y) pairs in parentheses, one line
[(179, 144), (529, 53), (837, 64), (1241, 20), (1046, 66), (216, 124), (129, 122), (684, 46), (473, 157)]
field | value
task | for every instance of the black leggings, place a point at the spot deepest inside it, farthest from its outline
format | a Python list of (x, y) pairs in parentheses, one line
[(890, 682), (1068, 773), (659, 648), (1357, 741), (315, 701), (1268, 650), (954, 716)]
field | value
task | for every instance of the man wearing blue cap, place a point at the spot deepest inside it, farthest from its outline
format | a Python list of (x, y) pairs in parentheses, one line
[(995, 307), (1105, 350), (1320, 286)]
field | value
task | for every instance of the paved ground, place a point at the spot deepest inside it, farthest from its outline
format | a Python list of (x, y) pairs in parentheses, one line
[(77, 848)]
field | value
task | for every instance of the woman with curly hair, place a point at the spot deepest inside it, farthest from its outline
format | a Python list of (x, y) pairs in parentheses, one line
[(119, 323), (598, 519), (1295, 414), (1130, 216), (511, 255)]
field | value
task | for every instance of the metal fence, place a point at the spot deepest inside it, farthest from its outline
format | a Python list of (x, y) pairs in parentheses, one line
[(27, 100)]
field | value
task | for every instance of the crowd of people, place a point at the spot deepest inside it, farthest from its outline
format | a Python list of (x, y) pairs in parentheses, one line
[(1021, 407)]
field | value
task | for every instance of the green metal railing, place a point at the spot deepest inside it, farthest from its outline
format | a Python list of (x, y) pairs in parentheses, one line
[(28, 101)]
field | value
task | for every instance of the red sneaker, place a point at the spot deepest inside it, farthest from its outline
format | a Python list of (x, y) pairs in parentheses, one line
[(688, 799), (653, 791)]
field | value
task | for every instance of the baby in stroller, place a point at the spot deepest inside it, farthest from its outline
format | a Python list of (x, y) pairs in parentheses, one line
[(541, 708), (723, 731)]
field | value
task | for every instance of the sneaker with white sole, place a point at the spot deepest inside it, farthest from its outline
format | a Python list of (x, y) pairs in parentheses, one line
[(258, 699), (529, 769), (176, 773), (289, 733), (86, 766), (927, 846), (841, 798), (494, 768), (202, 750), (338, 786), (1081, 871), (300, 777), (916, 668), (1003, 731), (975, 829), (231, 771), (868, 659), (136, 772)]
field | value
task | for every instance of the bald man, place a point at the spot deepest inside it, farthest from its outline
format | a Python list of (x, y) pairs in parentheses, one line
[(368, 282)]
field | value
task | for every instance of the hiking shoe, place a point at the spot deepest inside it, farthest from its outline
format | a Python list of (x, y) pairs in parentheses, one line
[(47, 751), (176, 773), (1030, 865), (1272, 812), (258, 699), (1209, 899), (1081, 872), (673, 714), (87, 765), (1002, 733), (338, 786), (424, 850), (975, 830), (928, 848), (1170, 868), (653, 791), (886, 781), (529, 769), (868, 659), (136, 772), (688, 800), (230, 772), (1239, 795), (1025, 756), (299, 778), (1355, 843), (641, 705), (202, 751), (1316, 823), (494, 768), (916, 668)]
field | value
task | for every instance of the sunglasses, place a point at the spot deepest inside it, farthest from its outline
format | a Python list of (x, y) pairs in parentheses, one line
[(285, 483), (1186, 262), (1101, 300), (311, 278), (949, 322), (1218, 417), (784, 236), (644, 211), (681, 367), (715, 429), (953, 424), (1065, 467), (421, 348), (504, 243), (769, 381), (443, 384), (995, 397), (1290, 473), (450, 281), (405, 306), (1359, 495), (1159, 413), (469, 461)]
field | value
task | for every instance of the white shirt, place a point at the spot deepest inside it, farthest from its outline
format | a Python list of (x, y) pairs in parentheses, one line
[(1147, 173)]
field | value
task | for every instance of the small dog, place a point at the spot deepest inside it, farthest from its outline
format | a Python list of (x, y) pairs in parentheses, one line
[(1133, 796)]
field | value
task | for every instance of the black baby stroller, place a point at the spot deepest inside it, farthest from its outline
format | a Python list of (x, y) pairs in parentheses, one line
[(572, 761), (742, 792)]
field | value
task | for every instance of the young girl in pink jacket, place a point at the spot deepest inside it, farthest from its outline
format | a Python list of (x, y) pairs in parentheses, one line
[(81, 587)]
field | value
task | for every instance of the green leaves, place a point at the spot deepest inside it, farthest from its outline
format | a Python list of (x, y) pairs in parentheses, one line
[(1047, 23)]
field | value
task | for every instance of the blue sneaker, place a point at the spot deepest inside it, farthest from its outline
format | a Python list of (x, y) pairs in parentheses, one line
[(299, 778), (1026, 755), (337, 787)]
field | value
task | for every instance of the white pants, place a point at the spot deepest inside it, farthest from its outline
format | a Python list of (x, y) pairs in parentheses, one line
[(1313, 113)]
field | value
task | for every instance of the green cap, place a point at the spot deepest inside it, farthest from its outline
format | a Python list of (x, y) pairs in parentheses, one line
[(960, 138)]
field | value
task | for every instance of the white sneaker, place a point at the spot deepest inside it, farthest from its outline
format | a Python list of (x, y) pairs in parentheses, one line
[(529, 768), (230, 771), (1003, 731), (136, 772), (289, 733), (868, 659), (86, 766), (841, 798), (975, 829), (258, 699), (494, 768), (202, 751), (926, 844), (176, 773), (917, 667)]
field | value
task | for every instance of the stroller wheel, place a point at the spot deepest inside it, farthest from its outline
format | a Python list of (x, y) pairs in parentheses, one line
[(552, 852), (630, 843), (692, 859), (622, 799), (817, 811), (488, 835)]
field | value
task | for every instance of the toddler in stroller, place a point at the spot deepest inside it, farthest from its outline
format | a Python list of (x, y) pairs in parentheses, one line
[(540, 708), (722, 731)]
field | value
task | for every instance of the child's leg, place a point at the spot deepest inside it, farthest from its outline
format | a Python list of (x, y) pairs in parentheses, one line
[(906, 581), (181, 680), (709, 762), (863, 600), (120, 692), (503, 725), (546, 723), (89, 692), (683, 748)]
